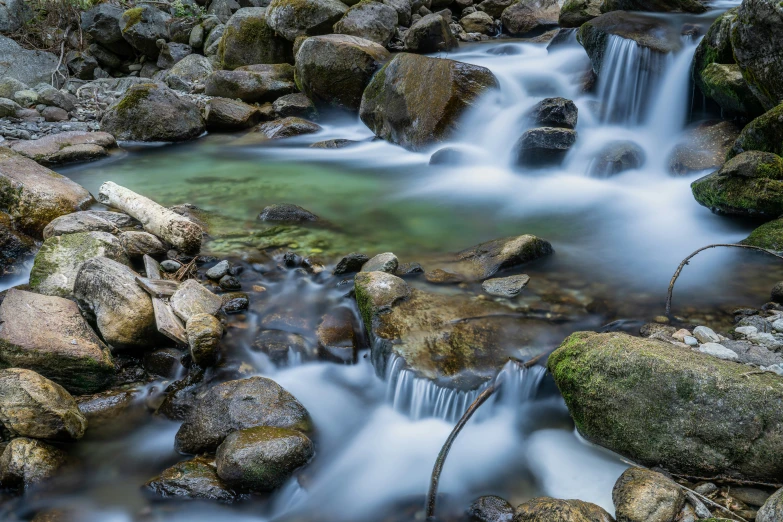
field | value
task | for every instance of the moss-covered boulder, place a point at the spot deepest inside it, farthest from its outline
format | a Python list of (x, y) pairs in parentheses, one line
[(769, 236), (369, 20), (321, 59), (665, 6), (765, 133), (143, 26), (293, 18), (153, 112), (672, 407), (195, 479), (574, 13), (748, 184), (724, 84), (248, 40), (758, 48), (34, 195), (254, 84), (417, 101), (558, 510)]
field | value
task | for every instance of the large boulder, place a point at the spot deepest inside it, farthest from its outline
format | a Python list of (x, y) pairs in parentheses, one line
[(724, 84), (369, 20), (765, 133), (667, 6), (294, 18), (259, 84), (191, 479), (122, 309), (526, 16), (102, 23), (34, 195), (664, 406), (769, 236), (66, 147), (643, 495), (189, 72), (143, 26), (478, 22), (60, 257), (238, 405), (757, 49), (322, 58), (29, 67), (248, 40), (33, 406), (417, 101), (557, 510), (431, 34), (153, 112), (27, 462), (748, 184), (48, 335), (574, 13)]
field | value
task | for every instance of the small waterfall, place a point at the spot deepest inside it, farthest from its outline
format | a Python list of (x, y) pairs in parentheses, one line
[(420, 398)]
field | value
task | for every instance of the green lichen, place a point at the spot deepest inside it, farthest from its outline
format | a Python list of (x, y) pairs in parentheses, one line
[(132, 17), (134, 97)]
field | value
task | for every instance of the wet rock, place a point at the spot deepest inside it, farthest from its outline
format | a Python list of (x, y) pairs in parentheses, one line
[(724, 84), (283, 347), (715, 47), (87, 221), (544, 146), (204, 333), (642, 495), (486, 259), (554, 112), (369, 20), (574, 13), (450, 156), (234, 302), (33, 406), (286, 128), (66, 147), (616, 157), (337, 337), (298, 105), (172, 53), (29, 67), (321, 58), (137, 244), (678, 6), (333, 144), (509, 286), (442, 277), (153, 112), (705, 147), (48, 335), (248, 39), (238, 405), (748, 184), (431, 34), (557, 510), (60, 258), (490, 509), (102, 23), (287, 213), (170, 266), (223, 114), (143, 26), (188, 73), (765, 134), (191, 479), (16, 248), (257, 85), (772, 510), (494, 8), (218, 271), (731, 432), (122, 309), (262, 458), (109, 412), (193, 298), (27, 462), (353, 262), (526, 16), (386, 262), (293, 18), (478, 22), (34, 195), (404, 92), (166, 362)]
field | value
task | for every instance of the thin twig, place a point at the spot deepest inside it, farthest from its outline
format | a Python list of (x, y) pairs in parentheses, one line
[(62, 54), (532, 361), (731, 480), (687, 259)]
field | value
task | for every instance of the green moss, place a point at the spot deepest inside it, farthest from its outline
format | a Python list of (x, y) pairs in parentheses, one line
[(133, 98), (769, 236), (132, 17), (764, 133)]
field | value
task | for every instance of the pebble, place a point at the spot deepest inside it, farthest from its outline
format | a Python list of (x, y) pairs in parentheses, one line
[(681, 334), (718, 350), (746, 330), (170, 266), (218, 271), (705, 335), (690, 340)]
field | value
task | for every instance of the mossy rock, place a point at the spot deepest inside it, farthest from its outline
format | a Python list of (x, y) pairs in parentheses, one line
[(658, 6), (143, 26), (765, 133), (715, 47), (574, 13), (191, 479), (248, 40), (661, 405), (769, 236), (725, 84), (293, 18)]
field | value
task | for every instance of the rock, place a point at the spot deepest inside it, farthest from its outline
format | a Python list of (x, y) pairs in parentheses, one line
[(66, 147), (34, 195), (748, 184), (321, 58), (218, 271), (544, 146), (772, 510), (143, 26), (556, 510), (10, 86), (259, 85), (609, 378), (14, 14), (486, 259), (649, 32), (526, 16), (8, 108), (234, 302), (33, 406), (769, 236), (26, 97), (166, 362), (222, 114), (284, 347), (48, 95), (297, 105), (105, 58), (172, 53), (248, 40), (386, 262), (705, 335), (29, 67), (432, 92), (204, 333), (509, 286), (137, 244), (616, 157), (642, 495), (87, 221), (102, 23), (757, 49), (353, 262), (337, 338), (333, 144), (15, 248), (450, 156), (369, 20), (490, 509), (442, 277), (750, 496), (715, 47), (765, 134), (238, 405), (478, 22), (574, 13), (54, 114), (27, 462), (705, 147), (262, 458), (725, 84), (212, 43), (191, 71), (108, 412), (287, 128), (191, 479), (677, 6), (718, 350), (170, 266), (554, 112), (287, 213), (122, 309), (494, 8), (431, 34), (193, 298), (292, 18), (196, 38)]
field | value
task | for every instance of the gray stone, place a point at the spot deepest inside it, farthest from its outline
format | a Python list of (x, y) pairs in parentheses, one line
[(705, 335), (172, 53), (544, 146), (218, 271), (26, 97), (87, 221), (616, 157), (81, 65), (248, 39), (287, 213), (353, 262), (431, 34), (386, 262), (223, 114), (48, 95), (772, 510), (642, 495), (193, 298), (403, 8), (509, 286), (54, 114), (690, 341), (717, 350), (296, 18), (102, 23), (191, 479), (30, 67), (8, 107), (67, 147), (298, 105), (554, 112), (14, 14), (259, 84), (170, 266), (370, 20), (143, 26), (286, 128)]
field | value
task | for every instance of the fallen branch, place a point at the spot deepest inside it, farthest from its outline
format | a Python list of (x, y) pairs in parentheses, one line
[(687, 259), (730, 480)]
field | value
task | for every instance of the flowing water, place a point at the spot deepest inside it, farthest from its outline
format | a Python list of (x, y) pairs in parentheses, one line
[(617, 239)]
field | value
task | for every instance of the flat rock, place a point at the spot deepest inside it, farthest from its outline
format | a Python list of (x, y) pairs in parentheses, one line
[(193, 298), (509, 286), (87, 221), (252, 84), (223, 114), (486, 259), (718, 350), (66, 147)]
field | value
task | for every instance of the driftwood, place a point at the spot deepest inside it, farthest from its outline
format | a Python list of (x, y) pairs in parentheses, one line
[(184, 234), (167, 321), (158, 287)]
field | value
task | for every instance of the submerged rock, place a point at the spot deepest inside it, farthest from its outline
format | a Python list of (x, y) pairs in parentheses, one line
[(616, 157), (642, 495), (509, 286), (557, 510), (607, 379), (66, 147), (287, 213), (195, 479), (27, 462), (486, 259), (248, 39)]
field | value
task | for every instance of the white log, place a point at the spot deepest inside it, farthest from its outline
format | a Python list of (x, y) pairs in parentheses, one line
[(182, 233)]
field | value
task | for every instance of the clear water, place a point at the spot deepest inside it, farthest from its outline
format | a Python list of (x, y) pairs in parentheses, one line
[(617, 239)]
